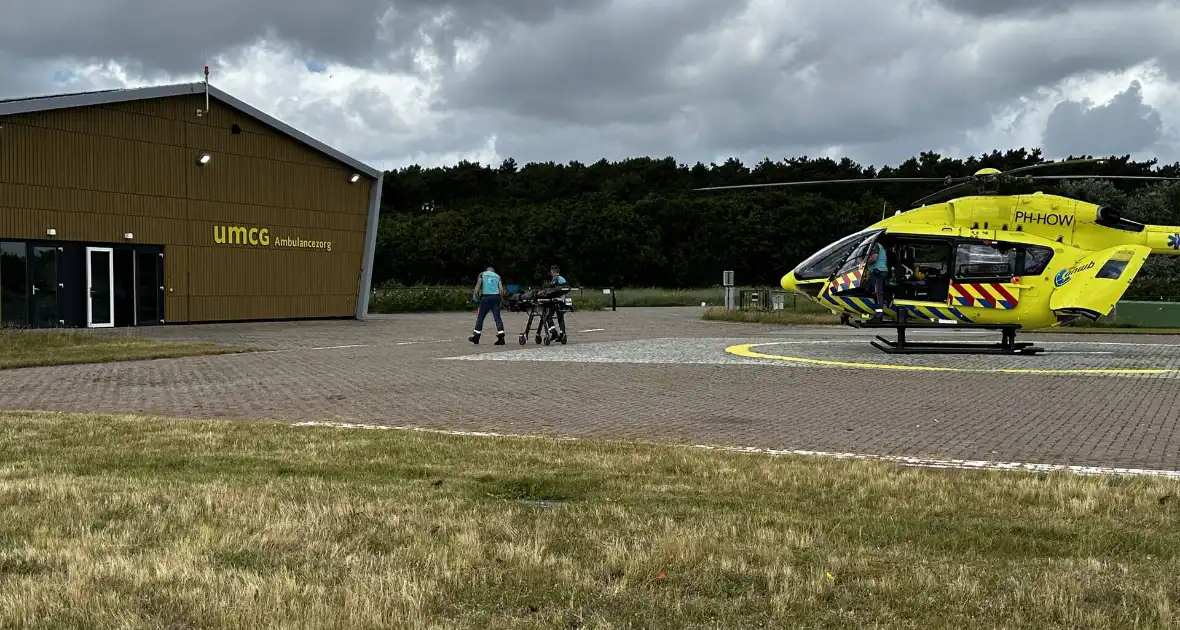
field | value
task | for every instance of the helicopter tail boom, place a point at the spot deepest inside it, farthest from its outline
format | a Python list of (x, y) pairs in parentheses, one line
[(1163, 239)]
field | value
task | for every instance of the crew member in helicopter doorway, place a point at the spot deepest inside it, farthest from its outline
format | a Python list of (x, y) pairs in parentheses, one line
[(877, 271), (488, 291)]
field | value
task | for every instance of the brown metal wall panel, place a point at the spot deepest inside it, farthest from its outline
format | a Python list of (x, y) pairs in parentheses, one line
[(91, 226), (75, 200), (222, 308), (159, 125), (31, 153), (245, 272), (235, 178), (94, 174)]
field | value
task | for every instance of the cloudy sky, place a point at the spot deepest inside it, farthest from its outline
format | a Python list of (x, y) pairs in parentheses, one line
[(395, 82)]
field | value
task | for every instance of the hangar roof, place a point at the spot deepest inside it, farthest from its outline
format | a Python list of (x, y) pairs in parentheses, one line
[(103, 97)]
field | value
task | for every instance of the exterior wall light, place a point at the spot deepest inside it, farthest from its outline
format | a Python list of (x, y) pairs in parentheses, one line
[(204, 159), (355, 178), (51, 232), (128, 235)]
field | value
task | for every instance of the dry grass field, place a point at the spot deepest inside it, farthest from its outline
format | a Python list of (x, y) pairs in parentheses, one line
[(31, 348), (122, 522)]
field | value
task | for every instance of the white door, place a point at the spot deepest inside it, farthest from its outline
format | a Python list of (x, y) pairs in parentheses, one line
[(100, 282)]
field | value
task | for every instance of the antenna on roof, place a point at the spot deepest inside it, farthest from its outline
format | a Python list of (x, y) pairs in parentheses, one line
[(202, 112)]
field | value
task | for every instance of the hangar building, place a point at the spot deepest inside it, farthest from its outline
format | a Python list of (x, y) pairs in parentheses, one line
[(176, 204)]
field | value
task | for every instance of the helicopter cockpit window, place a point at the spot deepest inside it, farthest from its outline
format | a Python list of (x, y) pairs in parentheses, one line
[(857, 257), (822, 264), (981, 260), (1036, 259)]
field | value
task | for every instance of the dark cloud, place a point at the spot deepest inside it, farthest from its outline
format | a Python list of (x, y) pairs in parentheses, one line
[(412, 27), (610, 65), (1025, 8), (177, 36), (21, 77), (698, 79), (1125, 125), (783, 76)]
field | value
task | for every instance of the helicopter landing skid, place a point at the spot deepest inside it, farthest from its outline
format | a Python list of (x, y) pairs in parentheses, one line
[(1007, 345)]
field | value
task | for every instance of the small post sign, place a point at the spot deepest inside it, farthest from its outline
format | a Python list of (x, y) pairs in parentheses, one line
[(730, 291)]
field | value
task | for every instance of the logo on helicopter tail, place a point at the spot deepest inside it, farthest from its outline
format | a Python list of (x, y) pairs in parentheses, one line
[(1065, 275), (1174, 241)]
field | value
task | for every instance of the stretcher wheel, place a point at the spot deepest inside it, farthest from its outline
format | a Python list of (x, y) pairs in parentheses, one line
[(538, 339), (521, 339), (548, 340), (563, 340)]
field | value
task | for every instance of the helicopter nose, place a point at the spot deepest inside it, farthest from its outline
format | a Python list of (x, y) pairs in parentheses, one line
[(788, 282)]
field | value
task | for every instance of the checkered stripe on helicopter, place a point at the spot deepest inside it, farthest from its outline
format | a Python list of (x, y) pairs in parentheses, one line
[(867, 306), (859, 305), (982, 295), (850, 280), (949, 313)]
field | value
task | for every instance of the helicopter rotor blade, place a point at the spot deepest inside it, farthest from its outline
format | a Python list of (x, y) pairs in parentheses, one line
[(942, 193), (834, 181), (1022, 169), (1138, 177)]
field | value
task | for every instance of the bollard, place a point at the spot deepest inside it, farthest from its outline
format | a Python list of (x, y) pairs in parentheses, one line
[(613, 302)]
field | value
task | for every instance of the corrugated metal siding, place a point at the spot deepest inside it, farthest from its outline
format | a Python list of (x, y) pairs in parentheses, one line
[(96, 173)]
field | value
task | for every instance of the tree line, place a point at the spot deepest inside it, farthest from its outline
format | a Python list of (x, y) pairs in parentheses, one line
[(638, 222)]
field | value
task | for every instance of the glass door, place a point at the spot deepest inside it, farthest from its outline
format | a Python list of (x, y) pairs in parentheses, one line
[(100, 282), (44, 286), (149, 288), (14, 285)]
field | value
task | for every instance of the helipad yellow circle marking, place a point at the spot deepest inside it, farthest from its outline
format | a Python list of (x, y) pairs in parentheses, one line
[(747, 350)]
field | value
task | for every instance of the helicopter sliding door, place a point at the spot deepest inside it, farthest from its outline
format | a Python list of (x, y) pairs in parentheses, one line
[(984, 276), (922, 268)]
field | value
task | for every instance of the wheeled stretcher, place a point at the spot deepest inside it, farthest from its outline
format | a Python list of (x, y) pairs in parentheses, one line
[(543, 305)]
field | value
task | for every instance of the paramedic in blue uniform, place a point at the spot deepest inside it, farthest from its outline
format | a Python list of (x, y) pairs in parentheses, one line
[(878, 270), (556, 280), (488, 291)]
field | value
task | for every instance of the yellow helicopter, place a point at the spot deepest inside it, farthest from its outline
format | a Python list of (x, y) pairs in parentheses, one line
[(991, 261)]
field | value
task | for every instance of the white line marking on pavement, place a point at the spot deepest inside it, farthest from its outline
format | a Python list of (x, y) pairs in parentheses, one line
[(918, 462), (286, 350), (410, 343), (592, 330)]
